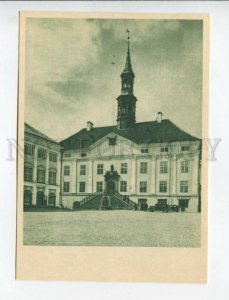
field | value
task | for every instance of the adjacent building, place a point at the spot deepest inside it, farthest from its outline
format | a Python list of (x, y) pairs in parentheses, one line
[(42, 169)]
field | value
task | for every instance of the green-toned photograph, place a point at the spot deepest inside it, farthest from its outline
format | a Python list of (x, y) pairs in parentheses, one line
[(113, 132)]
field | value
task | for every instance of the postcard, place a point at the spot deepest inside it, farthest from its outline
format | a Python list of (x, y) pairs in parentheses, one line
[(112, 179)]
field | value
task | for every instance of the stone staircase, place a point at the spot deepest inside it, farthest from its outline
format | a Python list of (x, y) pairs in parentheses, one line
[(117, 201)]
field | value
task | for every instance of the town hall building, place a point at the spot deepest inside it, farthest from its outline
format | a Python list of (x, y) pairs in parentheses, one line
[(124, 165)]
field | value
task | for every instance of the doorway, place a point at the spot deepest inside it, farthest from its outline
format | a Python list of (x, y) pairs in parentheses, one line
[(110, 187), (183, 203), (41, 198)]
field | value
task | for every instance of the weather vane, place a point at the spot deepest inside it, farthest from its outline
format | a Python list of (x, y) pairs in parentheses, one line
[(128, 34)]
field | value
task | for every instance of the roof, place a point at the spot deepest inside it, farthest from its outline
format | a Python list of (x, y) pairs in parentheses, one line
[(31, 130), (145, 132)]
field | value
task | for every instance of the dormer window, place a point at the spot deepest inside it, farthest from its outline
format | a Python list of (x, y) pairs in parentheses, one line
[(144, 150), (112, 141), (164, 149), (185, 148)]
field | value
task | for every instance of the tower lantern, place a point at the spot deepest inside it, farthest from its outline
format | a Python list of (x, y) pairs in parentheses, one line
[(127, 100)]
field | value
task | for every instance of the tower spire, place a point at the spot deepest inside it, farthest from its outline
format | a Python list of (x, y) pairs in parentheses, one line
[(128, 66), (127, 100)]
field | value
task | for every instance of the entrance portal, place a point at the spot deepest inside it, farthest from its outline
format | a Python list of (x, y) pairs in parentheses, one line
[(183, 203), (111, 179), (110, 187)]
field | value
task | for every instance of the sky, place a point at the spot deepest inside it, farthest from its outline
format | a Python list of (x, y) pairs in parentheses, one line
[(73, 69)]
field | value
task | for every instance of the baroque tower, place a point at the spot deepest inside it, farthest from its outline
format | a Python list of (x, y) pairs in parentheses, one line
[(127, 100)]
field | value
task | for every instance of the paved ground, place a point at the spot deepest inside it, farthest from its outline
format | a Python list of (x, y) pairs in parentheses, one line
[(112, 228)]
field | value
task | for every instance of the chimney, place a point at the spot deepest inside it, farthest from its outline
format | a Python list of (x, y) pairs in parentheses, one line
[(159, 117), (89, 125)]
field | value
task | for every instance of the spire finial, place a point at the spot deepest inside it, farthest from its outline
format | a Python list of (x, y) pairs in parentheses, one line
[(128, 38)]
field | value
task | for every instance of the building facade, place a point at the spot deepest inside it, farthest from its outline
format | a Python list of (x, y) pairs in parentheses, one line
[(123, 165), (42, 169), (155, 162)]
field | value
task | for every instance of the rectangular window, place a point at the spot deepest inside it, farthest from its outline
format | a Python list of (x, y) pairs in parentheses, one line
[(184, 186), (28, 173), (164, 167), (82, 169), (29, 149), (123, 168), (184, 148), (100, 169), (41, 153), (53, 157), (41, 176), (66, 186), (66, 170), (163, 186), (164, 149), (67, 155), (112, 141), (99, 186), (144, 150), (82, 186), (184, 166), (143, 187), (123, 186), (143, 167), (52, 177), (83, 154)]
